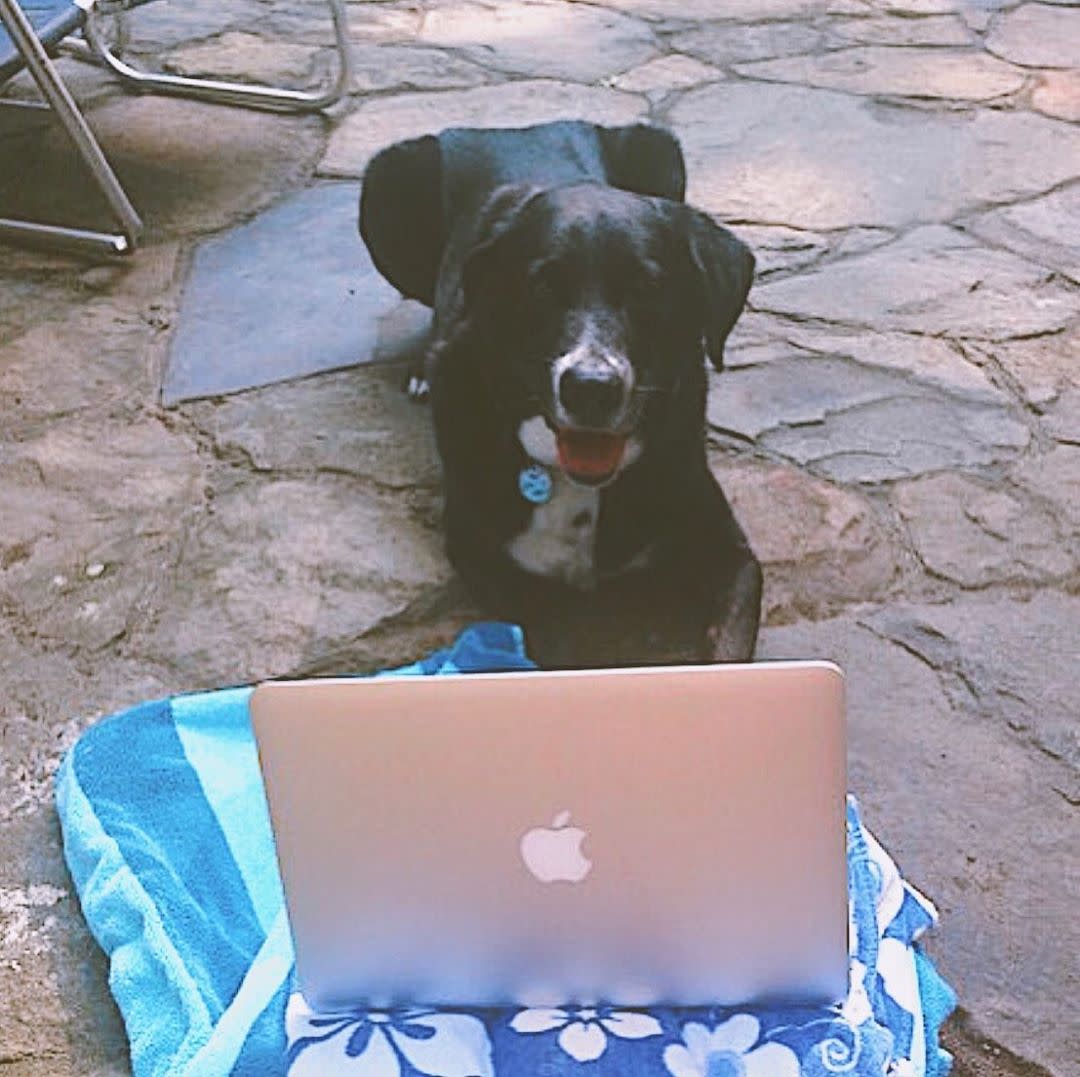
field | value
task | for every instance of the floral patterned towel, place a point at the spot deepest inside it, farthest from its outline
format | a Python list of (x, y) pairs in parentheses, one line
[(168, 841)]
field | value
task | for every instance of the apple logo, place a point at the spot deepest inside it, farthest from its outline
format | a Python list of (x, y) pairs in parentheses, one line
[(553, 854)]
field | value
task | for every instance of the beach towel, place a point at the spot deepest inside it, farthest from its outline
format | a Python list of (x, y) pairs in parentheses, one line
[(168, 841)]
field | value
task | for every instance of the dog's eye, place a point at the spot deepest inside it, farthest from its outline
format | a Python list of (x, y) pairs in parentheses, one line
[(642, 290), (635, 282), (542, 291), (547, 285)]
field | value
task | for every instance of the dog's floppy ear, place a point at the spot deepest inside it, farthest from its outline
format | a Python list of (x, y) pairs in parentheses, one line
[(724, 266), (644, 160), (401, 215), (482, 266)]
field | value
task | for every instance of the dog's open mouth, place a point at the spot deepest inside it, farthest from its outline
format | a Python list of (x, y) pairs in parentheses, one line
[(590, 457)]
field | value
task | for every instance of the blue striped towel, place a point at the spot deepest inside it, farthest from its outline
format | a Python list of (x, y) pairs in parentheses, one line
[(168, 841)]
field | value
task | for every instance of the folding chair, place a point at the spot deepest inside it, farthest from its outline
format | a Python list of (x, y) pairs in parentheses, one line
[(32, 28)]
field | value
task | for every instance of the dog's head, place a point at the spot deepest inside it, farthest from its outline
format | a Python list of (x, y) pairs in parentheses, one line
[(597, 306)]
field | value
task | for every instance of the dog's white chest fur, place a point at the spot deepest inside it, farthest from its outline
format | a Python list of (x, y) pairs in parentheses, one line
[(560, 540)]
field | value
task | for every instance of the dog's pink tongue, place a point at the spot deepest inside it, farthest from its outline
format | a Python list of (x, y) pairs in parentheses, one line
[(589, 454)]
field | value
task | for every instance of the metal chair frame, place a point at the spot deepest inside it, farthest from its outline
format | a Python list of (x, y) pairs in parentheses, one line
[(96, 49), (59, 101), (271, 98)]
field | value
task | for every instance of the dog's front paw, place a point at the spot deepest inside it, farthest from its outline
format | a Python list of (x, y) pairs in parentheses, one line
[(721, 644), (418, 388), (731, 635)]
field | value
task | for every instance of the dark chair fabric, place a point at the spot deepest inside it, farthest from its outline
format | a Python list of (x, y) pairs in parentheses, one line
[(52, 21)]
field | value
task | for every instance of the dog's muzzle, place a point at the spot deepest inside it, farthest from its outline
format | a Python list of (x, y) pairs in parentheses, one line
[(592, 396)]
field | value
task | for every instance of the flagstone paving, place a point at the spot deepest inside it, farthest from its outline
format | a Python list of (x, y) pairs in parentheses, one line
[(898, 427)]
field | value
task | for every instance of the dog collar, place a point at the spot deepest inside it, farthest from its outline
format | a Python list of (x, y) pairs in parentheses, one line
[(535, 484)]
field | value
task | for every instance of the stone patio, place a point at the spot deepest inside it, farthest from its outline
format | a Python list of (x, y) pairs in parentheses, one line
[(899, 428)]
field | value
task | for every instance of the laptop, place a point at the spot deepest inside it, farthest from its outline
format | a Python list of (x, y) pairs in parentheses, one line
[(633, 837)]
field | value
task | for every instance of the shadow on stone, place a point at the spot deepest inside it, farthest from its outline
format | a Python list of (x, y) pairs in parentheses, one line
[(187, 167), (289, 294)]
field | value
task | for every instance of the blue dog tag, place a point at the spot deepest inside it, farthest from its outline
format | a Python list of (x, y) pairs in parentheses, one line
[(535, 484)]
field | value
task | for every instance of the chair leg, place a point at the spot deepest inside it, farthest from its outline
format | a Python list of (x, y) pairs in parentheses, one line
[(235, 93), (56, 94)]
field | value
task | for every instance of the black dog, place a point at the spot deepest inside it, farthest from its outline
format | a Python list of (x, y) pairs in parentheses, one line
[(575, 297)]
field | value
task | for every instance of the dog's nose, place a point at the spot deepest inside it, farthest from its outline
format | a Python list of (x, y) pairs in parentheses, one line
[(591, 394)]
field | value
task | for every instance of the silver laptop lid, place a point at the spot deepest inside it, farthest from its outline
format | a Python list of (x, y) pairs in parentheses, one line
[(669, 835)]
